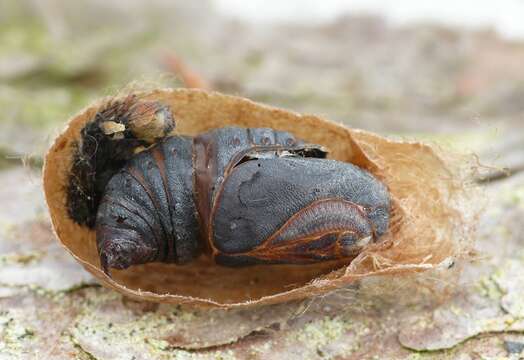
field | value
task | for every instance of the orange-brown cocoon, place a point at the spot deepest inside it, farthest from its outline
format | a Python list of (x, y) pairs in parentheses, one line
[(428, 227)]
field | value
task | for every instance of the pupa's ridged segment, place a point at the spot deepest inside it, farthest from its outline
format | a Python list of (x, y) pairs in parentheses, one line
[(427, 225)]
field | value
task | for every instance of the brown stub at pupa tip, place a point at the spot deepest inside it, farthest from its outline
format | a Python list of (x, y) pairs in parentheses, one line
[(430, 222), (150, 121)]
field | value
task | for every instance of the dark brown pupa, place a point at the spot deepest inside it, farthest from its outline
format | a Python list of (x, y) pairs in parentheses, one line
[(425, 192), (242, 196)]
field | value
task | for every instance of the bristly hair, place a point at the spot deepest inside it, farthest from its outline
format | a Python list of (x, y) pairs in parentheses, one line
[(118, 130)]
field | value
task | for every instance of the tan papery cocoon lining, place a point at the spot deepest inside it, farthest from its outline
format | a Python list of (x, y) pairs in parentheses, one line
[(428, 228)]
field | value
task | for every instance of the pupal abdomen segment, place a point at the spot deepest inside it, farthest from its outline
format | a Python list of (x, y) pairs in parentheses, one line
[(147, 213)]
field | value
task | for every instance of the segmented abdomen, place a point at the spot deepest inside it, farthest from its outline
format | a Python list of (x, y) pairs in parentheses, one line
[(152, 197)]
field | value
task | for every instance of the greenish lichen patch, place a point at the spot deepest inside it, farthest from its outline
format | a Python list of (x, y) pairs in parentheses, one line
[(322, 332), (106, 320), (510, 278), (14, 334), (488, 287), (23, 259), (496, 305), (515, 196)]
